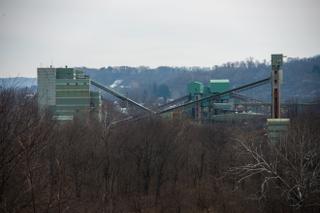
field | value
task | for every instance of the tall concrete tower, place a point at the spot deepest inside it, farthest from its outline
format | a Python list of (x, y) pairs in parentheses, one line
[(277, 127), (276, 78), (46, 87)]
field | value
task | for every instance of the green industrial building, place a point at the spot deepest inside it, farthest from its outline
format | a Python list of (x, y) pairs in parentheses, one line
[(206, 109), (215, 86), (66, 92), (219, 109)]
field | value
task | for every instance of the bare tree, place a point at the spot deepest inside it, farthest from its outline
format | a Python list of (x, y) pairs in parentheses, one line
[(289, 169)]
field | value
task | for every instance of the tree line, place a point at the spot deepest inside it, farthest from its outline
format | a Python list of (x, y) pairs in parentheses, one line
[(152, 165), (301, 78)]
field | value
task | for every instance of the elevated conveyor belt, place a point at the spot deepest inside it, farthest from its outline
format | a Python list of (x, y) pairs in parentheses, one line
[(238, 89), (183, 98), (245, 98), (119, 95)]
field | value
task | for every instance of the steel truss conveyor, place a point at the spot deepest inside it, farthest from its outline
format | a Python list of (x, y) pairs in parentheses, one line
[(119, 95), (214, 96), (210, 97)]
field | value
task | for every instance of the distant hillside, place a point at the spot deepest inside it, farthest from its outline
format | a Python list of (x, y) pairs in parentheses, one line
[(19, 82), (301, 78)]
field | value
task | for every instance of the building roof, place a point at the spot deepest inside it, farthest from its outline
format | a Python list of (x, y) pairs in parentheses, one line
[(219, 81)]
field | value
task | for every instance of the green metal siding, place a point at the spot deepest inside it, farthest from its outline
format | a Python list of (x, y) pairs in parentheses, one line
[(219, 85), (195, 87), (65, 73), (79, 81), (85, 101), (73, 93), (72, 84)]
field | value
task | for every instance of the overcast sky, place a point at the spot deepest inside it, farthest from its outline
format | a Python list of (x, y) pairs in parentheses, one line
[(98, 33)]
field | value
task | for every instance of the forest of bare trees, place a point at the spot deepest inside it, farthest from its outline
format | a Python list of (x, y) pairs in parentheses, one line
[(153, 165)]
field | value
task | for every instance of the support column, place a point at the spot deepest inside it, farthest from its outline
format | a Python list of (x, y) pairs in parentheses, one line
[(277, 128), (276, 80), (197, 109)]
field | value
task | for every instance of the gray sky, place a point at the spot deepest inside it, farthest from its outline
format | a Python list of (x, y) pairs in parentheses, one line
[(97, 33)]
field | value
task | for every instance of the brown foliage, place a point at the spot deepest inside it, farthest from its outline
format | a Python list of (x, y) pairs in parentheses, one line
[(153, 165)]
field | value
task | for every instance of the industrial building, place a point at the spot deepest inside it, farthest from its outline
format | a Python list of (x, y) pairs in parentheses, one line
[(66, 93), (204, 110), (221, 108)]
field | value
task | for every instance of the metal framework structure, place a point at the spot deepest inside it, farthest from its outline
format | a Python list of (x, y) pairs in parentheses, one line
[(275, 78), (69, 90), (177, 100), (210, 97)]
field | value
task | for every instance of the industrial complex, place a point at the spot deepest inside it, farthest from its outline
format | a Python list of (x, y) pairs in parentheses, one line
[(67, 93)]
